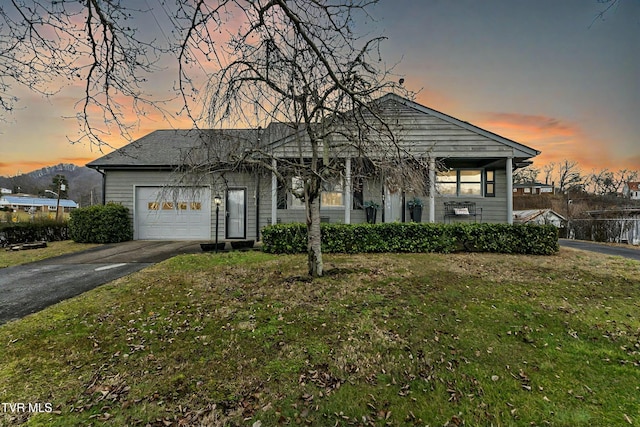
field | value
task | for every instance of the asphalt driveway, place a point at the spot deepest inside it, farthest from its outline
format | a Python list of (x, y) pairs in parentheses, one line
[(626, 252), (28, 288)]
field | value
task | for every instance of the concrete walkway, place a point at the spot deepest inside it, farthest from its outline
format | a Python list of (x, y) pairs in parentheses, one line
[(28, 288)]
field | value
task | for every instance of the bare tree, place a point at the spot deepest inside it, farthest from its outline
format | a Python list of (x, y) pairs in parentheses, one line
[(548, 171), (607, 182), (528, 174), (301, 64), (569, 176), (47, 45)]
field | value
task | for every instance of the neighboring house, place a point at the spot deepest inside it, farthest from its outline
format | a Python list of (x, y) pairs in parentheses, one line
[(167, 204), (534, 188), (631, 190), (35, 204), (539, 216)]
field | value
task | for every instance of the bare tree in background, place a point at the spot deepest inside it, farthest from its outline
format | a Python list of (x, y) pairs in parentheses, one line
[(605, 182), (300, 63), (569, 176), (525, 175), (548, 173)]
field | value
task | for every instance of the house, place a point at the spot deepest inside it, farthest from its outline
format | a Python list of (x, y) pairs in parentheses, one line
[(148, 177), (528, 188), (32, 204), (631, 190), (539, 216)]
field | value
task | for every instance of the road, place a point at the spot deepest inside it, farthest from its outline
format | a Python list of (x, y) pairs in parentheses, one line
[(28, 288), (626, 252)]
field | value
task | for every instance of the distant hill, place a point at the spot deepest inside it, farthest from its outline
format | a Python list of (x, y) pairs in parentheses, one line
[(82, 182)]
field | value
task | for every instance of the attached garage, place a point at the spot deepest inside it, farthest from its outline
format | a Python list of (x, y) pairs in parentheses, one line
[(172, 213)]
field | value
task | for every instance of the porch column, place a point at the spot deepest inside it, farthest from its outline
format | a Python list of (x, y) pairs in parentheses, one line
[(274, 193), (432, 190), (347, 191), (509, 190)]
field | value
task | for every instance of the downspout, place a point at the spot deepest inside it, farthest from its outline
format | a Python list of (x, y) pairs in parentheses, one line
[(104, 186)]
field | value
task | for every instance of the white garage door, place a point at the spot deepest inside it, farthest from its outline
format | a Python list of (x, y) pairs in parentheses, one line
[(163, 213)]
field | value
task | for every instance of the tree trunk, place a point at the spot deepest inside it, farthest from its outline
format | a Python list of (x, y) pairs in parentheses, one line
[(314, 242)]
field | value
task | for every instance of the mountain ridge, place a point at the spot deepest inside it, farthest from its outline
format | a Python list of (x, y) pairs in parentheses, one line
[(85, 184)]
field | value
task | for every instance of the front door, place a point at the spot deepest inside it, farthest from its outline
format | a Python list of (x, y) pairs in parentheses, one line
[(392, 205), (236, 213)]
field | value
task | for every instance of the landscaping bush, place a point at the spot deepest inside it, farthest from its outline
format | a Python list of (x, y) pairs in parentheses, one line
[(415, 237), (108, 223), (24, 232)]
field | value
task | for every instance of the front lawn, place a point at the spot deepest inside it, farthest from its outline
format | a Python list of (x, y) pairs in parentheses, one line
[(10, 258), (411, 339)]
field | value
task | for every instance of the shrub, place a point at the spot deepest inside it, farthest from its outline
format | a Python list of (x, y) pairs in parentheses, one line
[(42, 229), (108, 223), (415, 237)]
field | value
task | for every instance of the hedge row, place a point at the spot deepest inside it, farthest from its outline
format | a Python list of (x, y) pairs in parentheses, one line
[(108, 223), (415, 237), (39, 230)]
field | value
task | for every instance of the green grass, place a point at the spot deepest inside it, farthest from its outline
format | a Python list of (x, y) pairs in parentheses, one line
[(424, 339), (11, 258)]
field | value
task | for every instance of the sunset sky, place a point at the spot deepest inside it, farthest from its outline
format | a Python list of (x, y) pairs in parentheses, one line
[(542, 73)]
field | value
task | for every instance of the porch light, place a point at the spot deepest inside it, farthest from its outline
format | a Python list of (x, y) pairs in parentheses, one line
[(217, 200)]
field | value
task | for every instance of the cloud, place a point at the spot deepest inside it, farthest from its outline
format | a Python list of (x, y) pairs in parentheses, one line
[(557, 139)]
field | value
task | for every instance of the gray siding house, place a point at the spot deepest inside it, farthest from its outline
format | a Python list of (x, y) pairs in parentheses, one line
[(470, 178)]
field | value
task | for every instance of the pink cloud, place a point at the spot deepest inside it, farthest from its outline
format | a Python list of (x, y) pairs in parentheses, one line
[(557, 139)]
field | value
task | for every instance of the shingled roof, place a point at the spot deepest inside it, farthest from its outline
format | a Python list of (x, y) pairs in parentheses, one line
[(172, 148)]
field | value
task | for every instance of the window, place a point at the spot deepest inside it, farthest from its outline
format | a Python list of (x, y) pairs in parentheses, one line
[(196, 206), (182, 206), (167, 206), (460, 182), (152, 206), (332, 195), (446, 183), (470, 182), (490, 183)]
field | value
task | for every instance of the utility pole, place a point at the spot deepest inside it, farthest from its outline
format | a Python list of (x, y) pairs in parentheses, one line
[(61, 187)]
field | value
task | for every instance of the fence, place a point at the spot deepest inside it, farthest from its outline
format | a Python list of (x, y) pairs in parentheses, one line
[(619, 230)]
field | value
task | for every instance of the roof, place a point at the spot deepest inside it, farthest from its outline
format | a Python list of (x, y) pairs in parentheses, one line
[(633, 186), (526, 151), (35, 201), (524, 216), (168, 149), (175, 147), (532, 184)]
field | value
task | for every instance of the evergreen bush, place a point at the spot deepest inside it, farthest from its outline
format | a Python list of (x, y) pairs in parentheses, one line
[(48, 230), (108, 223), (415, 237)]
